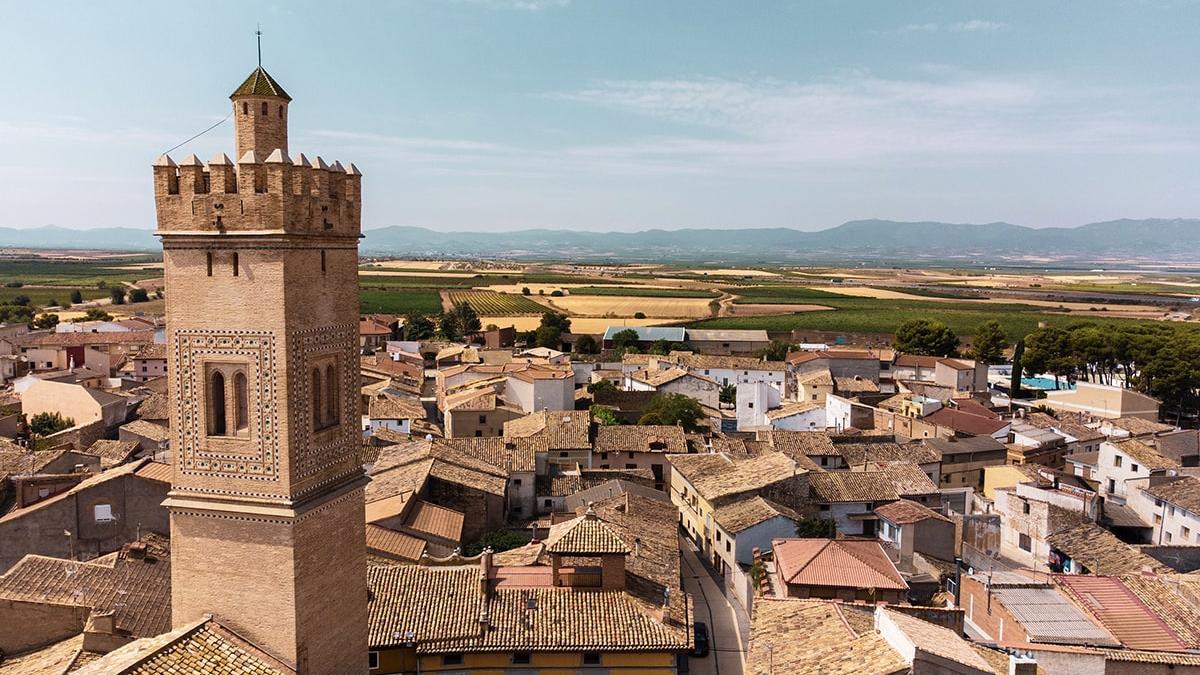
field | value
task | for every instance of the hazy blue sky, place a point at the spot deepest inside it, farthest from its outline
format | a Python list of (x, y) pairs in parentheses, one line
[(615, 114)]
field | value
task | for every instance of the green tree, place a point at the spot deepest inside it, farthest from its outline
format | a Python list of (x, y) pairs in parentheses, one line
[(118, 295), (660, 348), (816, 528), (924, 337), (53, 302), (601, 386), (728, 394), (417, 327), (673, 409), (586, 344), (76, 297), (549, 337), (639, 315), (21, 300), (497, 540), (625, 339), (1093, 351), (525, 291), (468, 320), (449, 327), (45, 321), (138, 295), (1048, 350), (604, 416), (778, 350), (96, 314), (47, 423), (989, 343), (14, 284), (1014, 386)]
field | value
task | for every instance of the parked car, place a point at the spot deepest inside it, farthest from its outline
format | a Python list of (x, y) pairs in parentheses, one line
[(700, 650)]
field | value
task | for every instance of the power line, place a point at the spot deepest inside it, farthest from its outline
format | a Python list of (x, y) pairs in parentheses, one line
[(200, 134)]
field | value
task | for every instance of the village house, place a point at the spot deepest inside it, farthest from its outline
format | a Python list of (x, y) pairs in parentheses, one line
[(997, 606), (600, 592), (849, 499), (1170, 505), (1121, 462), (964, 458), (1102, 400), (101, 514), (644, 446), (836, 569), (727, 341), (150, 362), (391, 412), (704, 483), (84, 405), (813, 386), (675, 381), (563, 438), (911, 528)]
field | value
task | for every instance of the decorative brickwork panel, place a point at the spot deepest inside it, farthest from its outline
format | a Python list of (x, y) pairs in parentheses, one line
[(253, 457), (323, 455)]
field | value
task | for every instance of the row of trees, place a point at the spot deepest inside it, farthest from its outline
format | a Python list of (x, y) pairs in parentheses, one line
[(1158, 359), (462, 320)]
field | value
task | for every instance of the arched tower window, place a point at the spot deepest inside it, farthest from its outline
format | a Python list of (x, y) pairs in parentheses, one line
[(331, 395), (216, 405), (317, 407), (245, 108), (280, 112), (264, 108), (241, 419)]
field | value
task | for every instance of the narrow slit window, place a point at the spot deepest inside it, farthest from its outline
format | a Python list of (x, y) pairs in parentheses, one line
[(331, 395), (316, 398), (209, 255), (235, 264), (245, 108), (264, 106), (280, 112), (241, 421), (216, 405), (322, 261)]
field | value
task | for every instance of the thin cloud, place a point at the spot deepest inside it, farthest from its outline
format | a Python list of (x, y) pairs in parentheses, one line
[(970, 26), (522, 5)]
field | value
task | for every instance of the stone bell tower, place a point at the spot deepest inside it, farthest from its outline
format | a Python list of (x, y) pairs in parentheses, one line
[(266, 503)]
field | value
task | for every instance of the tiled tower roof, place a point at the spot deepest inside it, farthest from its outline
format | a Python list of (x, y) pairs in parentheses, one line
[(260, 83)]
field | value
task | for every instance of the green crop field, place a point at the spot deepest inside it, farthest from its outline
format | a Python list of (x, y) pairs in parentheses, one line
[(643, 292), (74, 273), (870, 315), (781, 295), (435, 282), (41, 297), (491, 303), (399, 301)]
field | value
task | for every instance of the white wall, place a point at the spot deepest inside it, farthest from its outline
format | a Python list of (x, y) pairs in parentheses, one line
[(754, 399)]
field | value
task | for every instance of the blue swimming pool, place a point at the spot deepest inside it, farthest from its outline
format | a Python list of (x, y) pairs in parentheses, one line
[(1044, 383)]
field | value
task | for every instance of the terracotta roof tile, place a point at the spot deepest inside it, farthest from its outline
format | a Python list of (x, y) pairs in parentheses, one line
[(663, 438), (745, 513), (852, 486), (904, 512), (584, 535), (205, 647), (1121, 612), (837, 563), (392, 544), (715, 476), (805, 637), (1100, 551)]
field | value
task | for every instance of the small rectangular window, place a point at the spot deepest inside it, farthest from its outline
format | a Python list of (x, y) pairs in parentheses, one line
[(209, 263), (1117, 460), (322, 261), (1025, 543), (1133, 468), (102, 513), (591, 658), (452, 659), (235, 263), (522, 658), (372, 660)]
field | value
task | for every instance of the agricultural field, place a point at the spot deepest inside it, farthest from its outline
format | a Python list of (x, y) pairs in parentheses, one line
[(619, 305), (644, 292), (781, 295), (399, 301), (41, 297), (74, 273), (877, 315), (491, 303)]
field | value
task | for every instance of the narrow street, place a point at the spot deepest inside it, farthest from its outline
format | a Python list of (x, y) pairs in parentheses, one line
[(726, 643)]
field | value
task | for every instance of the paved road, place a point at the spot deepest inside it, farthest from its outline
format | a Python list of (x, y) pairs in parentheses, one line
[(726, 647)]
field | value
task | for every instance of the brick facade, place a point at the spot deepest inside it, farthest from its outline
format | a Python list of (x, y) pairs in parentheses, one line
[(260, 261)]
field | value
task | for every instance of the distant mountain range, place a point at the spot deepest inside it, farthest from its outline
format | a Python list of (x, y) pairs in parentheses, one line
[(873, 241)]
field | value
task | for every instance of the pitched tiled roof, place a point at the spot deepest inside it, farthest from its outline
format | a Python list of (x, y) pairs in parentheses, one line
[(852, 486), (1183, 493), (155, 432), (204, 647), (793, 409), (820, 378), (1167, 603), (111, 452), (384, 406), (154, 350), (260, 83), (666, 438), (584, 535), (392, 544), (836, 562), (710, 361), (855, 385), (155, 407), (1100, 551), (15, 460), (1140, 427), (1147, 455), (904, 512), (716, 475), (55, 659), (906, 477), (806, 637), (858, 454), (1121, 612), (137, 590), (443, 609), (937, 640), (743, 514), (561, 429), (802, 443), (966, 423), (434, 520)]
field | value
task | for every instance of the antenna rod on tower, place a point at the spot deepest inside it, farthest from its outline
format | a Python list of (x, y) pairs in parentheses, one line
[(258, 34)]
